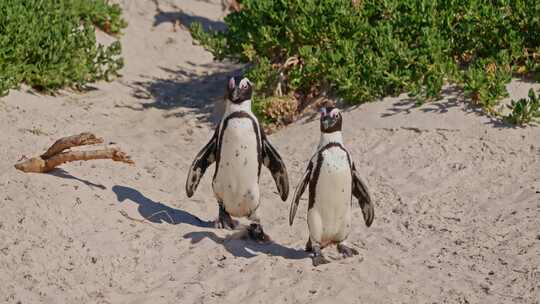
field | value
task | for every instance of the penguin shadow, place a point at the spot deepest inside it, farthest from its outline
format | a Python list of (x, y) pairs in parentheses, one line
[(157, 212), (239, 245)]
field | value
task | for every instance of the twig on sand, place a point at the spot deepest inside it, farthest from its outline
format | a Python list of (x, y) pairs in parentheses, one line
[(126, 215), (162, 211), (144, 221), (55, 155)]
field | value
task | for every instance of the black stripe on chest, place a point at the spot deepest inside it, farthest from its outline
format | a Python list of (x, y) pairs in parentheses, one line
[(315, 177), (233, 115)]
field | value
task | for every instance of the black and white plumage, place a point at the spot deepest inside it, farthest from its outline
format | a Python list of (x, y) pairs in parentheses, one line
[(239, 148), (332, 179)]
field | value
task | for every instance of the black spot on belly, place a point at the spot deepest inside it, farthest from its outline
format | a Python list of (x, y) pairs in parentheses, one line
[(249, 195), (227, 164), (237, 153)]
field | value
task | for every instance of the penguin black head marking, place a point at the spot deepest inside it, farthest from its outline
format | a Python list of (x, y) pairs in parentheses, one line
[(239, 89), (330, 119)]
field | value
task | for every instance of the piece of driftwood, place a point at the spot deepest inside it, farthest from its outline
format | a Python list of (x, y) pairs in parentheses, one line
[(57, 155)]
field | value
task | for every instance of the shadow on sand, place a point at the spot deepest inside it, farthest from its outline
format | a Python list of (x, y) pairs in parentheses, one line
[(186, 19), (61, 173), (452, 97), (186, 91), (157, 212), (240, 246), (449, 99), (189, 88)]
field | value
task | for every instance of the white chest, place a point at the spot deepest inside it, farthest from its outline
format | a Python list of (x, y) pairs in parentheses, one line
[(236, 180), (333, 192), (335, 180), (238, 154)]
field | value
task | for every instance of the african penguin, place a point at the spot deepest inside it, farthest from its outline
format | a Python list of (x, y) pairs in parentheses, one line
[(239, 147), (333, 180)]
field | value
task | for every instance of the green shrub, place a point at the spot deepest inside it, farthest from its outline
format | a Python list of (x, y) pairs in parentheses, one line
[(485, 84), (376, 48), (525, 110), (107, 16), (50, 44)]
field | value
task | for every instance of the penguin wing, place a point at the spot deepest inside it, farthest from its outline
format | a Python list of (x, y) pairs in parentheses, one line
[(202, 161), (299, 191), (275, 164), (361, 193)]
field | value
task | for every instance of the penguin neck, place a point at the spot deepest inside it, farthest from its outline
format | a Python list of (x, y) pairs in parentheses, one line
[(334, 137), (245, 106)]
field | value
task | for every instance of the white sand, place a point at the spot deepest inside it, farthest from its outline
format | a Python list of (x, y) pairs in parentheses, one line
[(457, 196)]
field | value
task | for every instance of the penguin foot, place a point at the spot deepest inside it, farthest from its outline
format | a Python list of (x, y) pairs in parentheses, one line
[(346, 251), (226, 223), (225, 220), (256, 233), (319, 260)]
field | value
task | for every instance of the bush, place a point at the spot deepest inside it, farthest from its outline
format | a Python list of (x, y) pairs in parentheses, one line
[(107, 16), (363, 50), (525, 110), (50, 44)]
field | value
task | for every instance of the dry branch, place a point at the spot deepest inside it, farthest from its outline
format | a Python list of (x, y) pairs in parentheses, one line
[(55, 155), (65, 143)]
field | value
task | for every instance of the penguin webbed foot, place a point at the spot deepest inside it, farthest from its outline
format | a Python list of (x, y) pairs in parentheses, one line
[(317, 258), (346, 251), (256, 233), (226, 224)]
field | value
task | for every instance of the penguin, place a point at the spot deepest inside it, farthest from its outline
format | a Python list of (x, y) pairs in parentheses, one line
[(239, 147), (333, 180)]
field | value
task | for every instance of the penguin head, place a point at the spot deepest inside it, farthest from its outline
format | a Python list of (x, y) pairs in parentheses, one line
[(330, 119), (239, 89)]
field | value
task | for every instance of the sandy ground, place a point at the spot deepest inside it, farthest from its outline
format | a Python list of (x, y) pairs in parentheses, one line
[(457, 195)]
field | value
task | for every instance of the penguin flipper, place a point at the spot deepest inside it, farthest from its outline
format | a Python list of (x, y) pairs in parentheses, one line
[(202, 161), (272, 160), (361, 193), (299, 191)]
